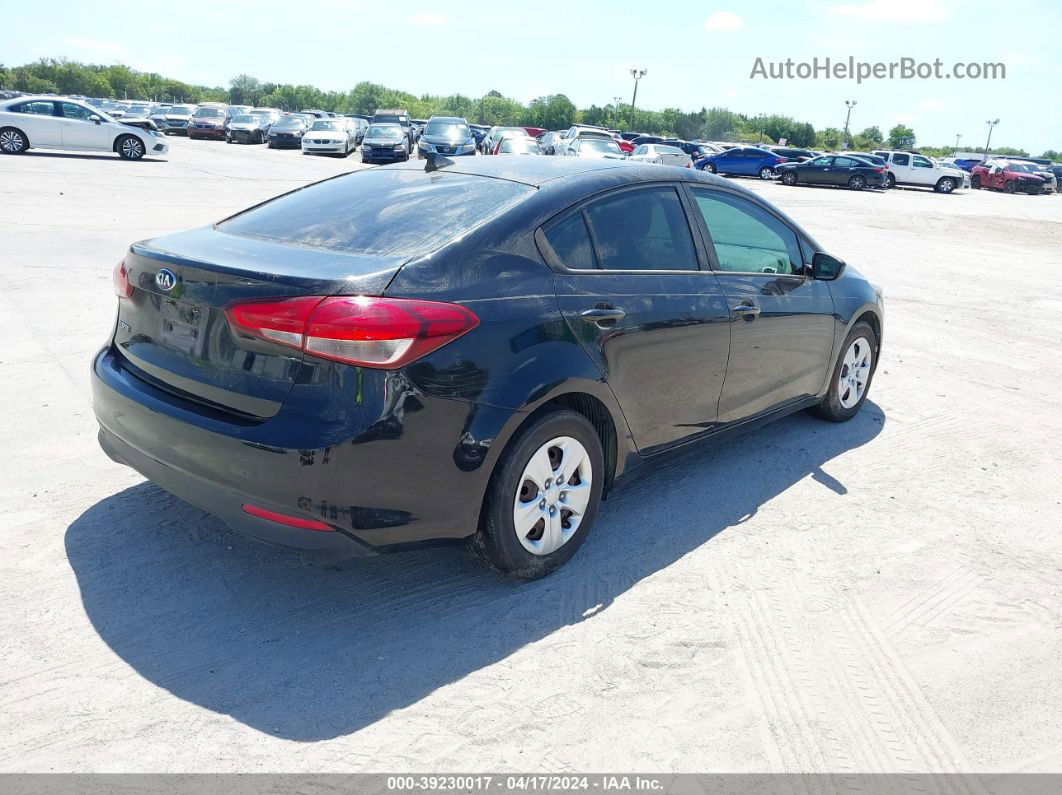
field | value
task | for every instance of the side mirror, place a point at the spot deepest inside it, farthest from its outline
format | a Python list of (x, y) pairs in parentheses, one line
[(825, 267), (95, 118)]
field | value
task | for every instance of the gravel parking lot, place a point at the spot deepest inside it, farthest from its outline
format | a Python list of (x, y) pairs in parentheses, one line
[(883, 595)]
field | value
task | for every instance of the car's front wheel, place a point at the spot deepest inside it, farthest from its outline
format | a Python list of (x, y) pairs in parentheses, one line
[(710, 168), (543, 496), (789, 177), (129, 147), (13, 141), (945, 185), (1009, 186), (851, 377)]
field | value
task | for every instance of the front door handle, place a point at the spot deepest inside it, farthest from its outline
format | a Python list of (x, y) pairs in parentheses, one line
[(603, 316), (748, 311)]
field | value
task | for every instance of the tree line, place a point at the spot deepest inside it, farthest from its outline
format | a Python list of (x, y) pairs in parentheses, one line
[(555, 111)]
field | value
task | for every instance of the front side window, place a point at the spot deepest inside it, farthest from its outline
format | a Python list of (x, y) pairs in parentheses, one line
[(747, 239), (643, 230), (921, 162), (72, 111)]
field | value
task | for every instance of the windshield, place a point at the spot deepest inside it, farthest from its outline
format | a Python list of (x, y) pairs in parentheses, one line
[(599, 145), (290, 121), (448, 129), (326, 124), (520, 146), (179, 111), (669, 150), (380, 212), (390, 131), (1025, 168), (246, 118), (208, 113)]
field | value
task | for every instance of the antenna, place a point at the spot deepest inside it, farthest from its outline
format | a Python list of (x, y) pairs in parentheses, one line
[(435, 161)]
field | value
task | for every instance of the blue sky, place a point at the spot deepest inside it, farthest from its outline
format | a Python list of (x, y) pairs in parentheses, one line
[(696, 53)]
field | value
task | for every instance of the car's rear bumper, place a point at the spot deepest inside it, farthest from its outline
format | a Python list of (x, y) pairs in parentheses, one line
[(384, 467)]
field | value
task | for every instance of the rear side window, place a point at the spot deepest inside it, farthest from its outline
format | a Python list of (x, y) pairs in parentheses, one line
[(642, 230), (38, 107), (901, 160), (380, 212), (570, 241), (748, 239)]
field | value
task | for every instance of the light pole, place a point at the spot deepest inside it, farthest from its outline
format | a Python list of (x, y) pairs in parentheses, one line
[(988, 143), (637, 74), (850, 103), (957, 137), (617, 114)]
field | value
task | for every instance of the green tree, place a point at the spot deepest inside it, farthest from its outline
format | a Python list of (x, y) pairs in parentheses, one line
[(830, 138), (872, 136), (902, 137), (245, 90), (553, 112)]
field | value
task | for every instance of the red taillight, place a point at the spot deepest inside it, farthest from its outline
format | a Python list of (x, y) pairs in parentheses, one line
[(373, 332), (120, 277), (778, 160), (879, 171), (290, 521)]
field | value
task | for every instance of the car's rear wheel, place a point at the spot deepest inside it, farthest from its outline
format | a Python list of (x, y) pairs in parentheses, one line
[(13, 141), (766, 172), (789, 177), (975, 182), (857, 182), (1009, 186), (710, 168), (945, 185), (129, 147), (890, 180), (851, 377), (543, 496)]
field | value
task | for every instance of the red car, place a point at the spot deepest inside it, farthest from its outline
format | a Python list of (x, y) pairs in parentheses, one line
[(1009, 177), (534, 132)]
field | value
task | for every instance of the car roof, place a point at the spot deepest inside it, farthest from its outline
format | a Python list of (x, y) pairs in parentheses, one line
[(547, 169), (455, 119)]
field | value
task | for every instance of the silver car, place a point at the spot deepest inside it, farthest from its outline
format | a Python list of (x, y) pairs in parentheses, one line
[(662, 154)]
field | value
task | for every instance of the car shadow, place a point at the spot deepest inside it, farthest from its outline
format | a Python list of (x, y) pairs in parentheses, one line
[(307, 651), (77, 156)]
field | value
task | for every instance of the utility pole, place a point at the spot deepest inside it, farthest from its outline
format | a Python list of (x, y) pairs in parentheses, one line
[(988, 143), (637, 74), (850, 103), (957, 137), (616, 117)]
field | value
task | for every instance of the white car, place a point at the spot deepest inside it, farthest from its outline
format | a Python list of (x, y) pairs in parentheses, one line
[(913, 169), (60, 123), (660, 153), (595, 146), (330, 136)]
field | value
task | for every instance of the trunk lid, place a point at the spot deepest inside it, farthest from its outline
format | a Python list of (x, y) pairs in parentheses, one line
[(173, 330)]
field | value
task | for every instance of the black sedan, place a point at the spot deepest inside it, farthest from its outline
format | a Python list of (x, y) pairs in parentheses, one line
[(479, 349), (837, 170)]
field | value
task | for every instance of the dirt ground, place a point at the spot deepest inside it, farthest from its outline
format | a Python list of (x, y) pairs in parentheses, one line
[(884, 595)]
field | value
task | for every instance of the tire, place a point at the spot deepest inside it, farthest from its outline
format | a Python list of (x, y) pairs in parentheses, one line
[(766, 172), (841, 402), (710, 168), (944, 185), (975, 182), (857, 182), (514, 483), (129, 147), (789, 177), (13, 141), (890, 180), (1009, 186)]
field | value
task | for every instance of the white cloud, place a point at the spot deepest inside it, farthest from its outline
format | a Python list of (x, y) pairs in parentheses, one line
[(894, 10), (723, 20), (428, 19), (94, 50), (931, 104)]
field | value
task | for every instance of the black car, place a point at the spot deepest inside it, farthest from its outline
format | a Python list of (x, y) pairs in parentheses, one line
[(837, 170), (793, 155), (694, 150), (646, 139), (482, 349), (286, 133)]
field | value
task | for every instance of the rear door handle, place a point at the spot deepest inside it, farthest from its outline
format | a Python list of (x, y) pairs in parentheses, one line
[(746, 310), (603, 315)]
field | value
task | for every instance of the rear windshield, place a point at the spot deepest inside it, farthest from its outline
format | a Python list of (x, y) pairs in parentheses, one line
[(380, 212)]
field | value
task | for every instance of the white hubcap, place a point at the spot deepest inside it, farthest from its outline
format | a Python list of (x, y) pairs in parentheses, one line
[(553, 495), (855, 373)]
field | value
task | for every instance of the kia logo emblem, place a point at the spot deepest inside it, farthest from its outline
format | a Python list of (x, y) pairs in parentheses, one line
[(165, 279)]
